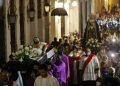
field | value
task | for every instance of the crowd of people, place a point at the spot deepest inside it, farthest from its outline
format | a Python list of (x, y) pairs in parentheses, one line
[(17, 73), (91, 69), (73, 63)]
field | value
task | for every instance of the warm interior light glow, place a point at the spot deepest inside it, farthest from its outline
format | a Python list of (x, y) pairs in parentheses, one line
[(112, 55), (114, 40), (74, 3), (60, 4), (32, 14), (47, 8)]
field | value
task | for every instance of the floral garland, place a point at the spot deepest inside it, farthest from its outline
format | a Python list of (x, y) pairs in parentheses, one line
[(24, 52), (93, 44)]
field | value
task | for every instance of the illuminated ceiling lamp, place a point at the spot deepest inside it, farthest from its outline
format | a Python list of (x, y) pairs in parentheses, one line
[(31, 10), (12, 16), (74, 3), (47, 7)]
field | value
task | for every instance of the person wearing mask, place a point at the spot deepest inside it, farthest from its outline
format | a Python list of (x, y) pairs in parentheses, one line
[(88, 69), (44, 79)]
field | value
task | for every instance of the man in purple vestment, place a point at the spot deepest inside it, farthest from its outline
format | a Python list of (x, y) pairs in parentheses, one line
[(60, 71), (66, 61)]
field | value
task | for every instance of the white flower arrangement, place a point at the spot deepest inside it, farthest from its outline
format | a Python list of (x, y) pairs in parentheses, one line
[(93, 44), (26, 52)]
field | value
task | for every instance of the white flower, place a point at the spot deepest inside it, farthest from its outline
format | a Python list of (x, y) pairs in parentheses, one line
[(19, 52), (26, 48), (30, 47), (13, 54), (92, 41), (96, 40), (20, 59), (26, 53), (22, 50), (88, 42), (98, 45), (93, 45), (16, 53)]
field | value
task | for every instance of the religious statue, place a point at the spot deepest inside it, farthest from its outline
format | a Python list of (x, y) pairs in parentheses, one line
[(102, 55), (38, 47), (91, 30)]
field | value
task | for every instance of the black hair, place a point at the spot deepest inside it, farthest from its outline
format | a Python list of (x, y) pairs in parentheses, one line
[(43, 67), (35, 63)]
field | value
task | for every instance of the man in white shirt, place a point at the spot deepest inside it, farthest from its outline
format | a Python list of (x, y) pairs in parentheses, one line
[(44, 79), (89, 69)]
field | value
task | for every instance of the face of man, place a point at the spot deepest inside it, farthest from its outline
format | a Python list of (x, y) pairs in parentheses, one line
[(88, 52), (36, 40), (43, 73)]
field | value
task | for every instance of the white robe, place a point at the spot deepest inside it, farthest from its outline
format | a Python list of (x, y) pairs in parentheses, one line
[(48, 81), (19, 81), (89, 73)]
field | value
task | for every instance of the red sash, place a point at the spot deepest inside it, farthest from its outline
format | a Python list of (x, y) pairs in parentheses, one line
[(86, 63)]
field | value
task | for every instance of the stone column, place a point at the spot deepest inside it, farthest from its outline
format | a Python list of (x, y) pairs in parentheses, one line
[(17, 29), (80, 18), (34, 23), (7, 30), (67, 19), (27, 24), (47, 23), (88, 8), (47, 28), (83, 15), (52, 23), (36, 18), (93, 6), (42, 29)]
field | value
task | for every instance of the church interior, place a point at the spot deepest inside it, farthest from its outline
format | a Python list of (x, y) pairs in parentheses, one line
[(75, 41)]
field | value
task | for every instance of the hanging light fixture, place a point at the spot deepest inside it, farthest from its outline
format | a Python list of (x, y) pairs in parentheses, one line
[(47, 7), (74, 3), (31, 10), (12, 16)]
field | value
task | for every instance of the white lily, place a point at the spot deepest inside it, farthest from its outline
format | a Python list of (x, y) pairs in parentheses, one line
[(19, 52), (26, 48), (93, 45), (16, 53), (98, 45), (13, 54), (30, 47)]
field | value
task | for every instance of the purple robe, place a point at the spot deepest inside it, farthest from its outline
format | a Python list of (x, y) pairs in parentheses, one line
[(50, 72), (66, 61), (60, 73)]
